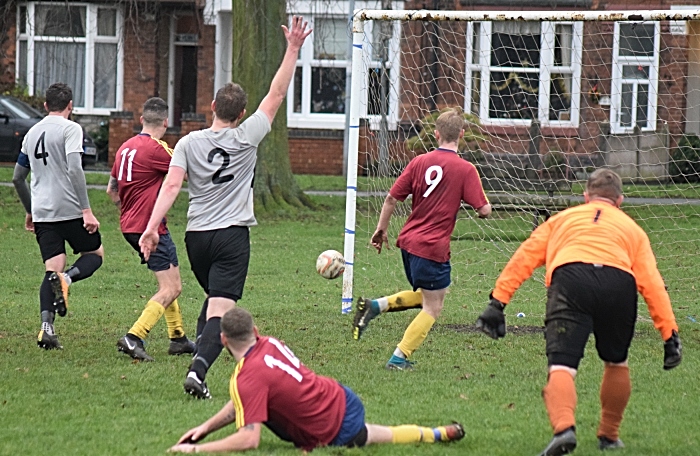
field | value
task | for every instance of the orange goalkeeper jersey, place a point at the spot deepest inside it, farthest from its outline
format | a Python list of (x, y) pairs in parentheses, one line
[(595, 233)]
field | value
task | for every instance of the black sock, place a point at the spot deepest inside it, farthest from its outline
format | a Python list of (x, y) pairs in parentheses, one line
[(46, 295), (84, 267), (208, 348), (202, 320)]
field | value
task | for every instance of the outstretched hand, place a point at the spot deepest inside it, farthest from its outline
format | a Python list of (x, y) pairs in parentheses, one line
[(296, 36), (492, 321), (379, 239)]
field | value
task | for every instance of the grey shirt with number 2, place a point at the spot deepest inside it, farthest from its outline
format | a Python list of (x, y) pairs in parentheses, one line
[(220, 168)]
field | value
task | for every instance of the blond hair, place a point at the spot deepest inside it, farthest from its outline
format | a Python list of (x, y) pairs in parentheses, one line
[(604, 183)]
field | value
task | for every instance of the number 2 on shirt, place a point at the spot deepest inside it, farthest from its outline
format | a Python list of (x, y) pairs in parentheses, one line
[(432, 181), (130, 164), (273, 362)]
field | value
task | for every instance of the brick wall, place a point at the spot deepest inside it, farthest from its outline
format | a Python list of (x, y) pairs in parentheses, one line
[(121, 128), (8, 28)]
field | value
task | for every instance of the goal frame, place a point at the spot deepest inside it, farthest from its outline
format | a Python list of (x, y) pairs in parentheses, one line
[(359, 72)]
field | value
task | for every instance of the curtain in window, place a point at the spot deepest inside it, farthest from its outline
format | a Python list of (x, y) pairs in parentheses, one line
[(60, 62), (105, 76), (60, 20)]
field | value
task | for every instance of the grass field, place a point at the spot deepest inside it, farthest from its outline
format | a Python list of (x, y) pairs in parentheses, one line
[(90, 400)]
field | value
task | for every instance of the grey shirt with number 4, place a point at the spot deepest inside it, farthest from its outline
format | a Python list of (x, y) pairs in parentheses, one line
[(47, 145), (220, 167)]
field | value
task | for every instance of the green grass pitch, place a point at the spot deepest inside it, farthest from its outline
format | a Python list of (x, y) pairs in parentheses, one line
[(88, 399)]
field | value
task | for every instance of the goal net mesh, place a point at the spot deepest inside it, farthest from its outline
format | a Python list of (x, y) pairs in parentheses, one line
[(545, 103)]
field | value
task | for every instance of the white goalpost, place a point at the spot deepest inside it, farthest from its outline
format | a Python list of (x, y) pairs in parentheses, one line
[(548, 96)]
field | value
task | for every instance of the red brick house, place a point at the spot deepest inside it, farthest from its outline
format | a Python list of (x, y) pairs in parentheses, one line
[(584, 91)]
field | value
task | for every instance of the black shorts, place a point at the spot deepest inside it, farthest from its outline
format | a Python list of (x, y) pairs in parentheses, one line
[(584, 298), (160, 259), (219, 260), (52, 238)]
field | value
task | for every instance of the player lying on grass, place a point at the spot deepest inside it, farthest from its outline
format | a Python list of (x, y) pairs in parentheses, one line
[(137, 175), (439, 182), (596, 259), (271, 387)]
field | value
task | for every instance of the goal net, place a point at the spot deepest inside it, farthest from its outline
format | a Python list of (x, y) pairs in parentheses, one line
[(547, 97)]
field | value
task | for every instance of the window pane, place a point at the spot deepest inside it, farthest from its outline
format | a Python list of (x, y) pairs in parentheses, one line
[(64, 20), (105, 76), (328, 90), (23, 62), (476, 42), (476, 92), (330, 39), (374, 97), (637, 40), (515, 44), (513, 95), (22, 19), (642, 105), (635, 72), (297, 89), (560, 97), (563, 38), (626, 105), (106, 22), (381, 36), (63, 62)]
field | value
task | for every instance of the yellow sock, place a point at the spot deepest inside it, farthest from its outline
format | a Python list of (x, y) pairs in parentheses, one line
[(410, 433), (416, 333), (148, 319), (404, 300), (173, 318)]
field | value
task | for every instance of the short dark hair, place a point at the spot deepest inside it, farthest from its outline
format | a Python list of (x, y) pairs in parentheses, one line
[(237, 325), (230, 102), (58, 95), (604, 183), (450, 124), (155, 111)]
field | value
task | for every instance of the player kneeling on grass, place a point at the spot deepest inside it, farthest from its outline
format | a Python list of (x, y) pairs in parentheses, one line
[(596, 259), (439, 182), (271, 386), (136, 178)]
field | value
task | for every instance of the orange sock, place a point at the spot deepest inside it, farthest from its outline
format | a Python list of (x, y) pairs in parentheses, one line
[(615, 392), (560, 399)]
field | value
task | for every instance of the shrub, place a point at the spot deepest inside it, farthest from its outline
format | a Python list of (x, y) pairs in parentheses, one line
[(685, 160), (425, 141)]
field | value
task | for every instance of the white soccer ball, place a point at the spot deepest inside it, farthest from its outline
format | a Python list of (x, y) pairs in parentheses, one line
[(330, 264)]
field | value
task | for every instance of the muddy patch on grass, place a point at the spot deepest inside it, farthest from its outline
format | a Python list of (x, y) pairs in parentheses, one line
[(515, 330)]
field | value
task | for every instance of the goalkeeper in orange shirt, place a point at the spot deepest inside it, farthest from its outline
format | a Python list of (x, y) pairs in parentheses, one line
[(596, 259)]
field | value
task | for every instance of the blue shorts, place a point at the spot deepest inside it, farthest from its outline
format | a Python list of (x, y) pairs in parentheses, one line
[(164, 255), (354, 420), (424, 273)]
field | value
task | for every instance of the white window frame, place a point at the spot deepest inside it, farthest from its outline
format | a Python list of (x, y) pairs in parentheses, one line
[(545, 70), (617, 82), (91, 38), (313, 9)]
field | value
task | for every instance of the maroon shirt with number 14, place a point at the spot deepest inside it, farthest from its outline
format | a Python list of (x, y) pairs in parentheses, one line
[(270, 384)]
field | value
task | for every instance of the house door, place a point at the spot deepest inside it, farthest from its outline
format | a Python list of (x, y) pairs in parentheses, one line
[(185, 99)]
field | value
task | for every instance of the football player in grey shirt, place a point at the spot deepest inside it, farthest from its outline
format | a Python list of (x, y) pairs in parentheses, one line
[(57, 206), (220, 165)]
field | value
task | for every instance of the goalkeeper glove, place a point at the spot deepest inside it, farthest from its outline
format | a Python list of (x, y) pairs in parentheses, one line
[(492, 321), (672, 351)]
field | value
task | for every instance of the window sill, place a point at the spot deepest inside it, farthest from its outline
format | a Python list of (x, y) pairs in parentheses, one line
[(524, 130)]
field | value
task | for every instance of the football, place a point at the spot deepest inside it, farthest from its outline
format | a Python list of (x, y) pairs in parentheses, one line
[(330, 264)]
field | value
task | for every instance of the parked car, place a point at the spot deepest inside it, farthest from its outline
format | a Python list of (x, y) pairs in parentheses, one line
[(16, 118)]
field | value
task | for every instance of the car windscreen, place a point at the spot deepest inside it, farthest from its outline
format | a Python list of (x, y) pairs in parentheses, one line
[(20, 109)]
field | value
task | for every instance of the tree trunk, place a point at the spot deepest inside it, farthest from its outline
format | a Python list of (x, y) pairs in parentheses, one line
[(258, 48)]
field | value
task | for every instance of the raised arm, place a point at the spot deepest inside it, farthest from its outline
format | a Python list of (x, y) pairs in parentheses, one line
[(280, 83)]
